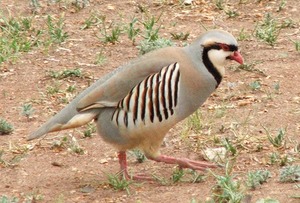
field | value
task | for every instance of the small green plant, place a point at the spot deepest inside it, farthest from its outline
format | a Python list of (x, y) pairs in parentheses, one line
[(34, 196), (281, 5), (66, 73), (118, 183), (219, 4), (250, 67), (243, 35), (296, 44), (279, 139), (290, 174), (274, 158), (5, 199), (79, 4), (256, 178), (177, 175), (267, 200), (180, 36), (74, 146), (91, 128), (17, 35), (71, 88), (229, 147), (282, 160), (146, 46), (35, 4), (227, 189), (287, 23), (139, 155), (276, 87), (69, 144), (5, 127), (194, 122), (255, 85), (151, 30), (268, 30), (54, 89), (231, 13), (55, 30), (27, 110), (132, 32), (92, 20), (112, 37), (100, 58)]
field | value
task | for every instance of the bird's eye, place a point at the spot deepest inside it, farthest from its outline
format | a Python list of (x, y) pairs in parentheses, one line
[(225, 47)]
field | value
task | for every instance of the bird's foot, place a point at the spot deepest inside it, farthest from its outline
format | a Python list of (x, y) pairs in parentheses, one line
[(185, 163), (138, 177), (123, 164)]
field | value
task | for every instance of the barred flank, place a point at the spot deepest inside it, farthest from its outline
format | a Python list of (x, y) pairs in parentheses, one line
[(153, 98)]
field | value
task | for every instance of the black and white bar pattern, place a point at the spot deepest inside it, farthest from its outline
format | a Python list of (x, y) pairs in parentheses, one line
[(152, 100)]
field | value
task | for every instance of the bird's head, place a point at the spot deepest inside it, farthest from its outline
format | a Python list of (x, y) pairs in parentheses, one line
[(218, 47)]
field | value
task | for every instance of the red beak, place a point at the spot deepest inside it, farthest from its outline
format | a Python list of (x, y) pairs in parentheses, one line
[(237, 57)]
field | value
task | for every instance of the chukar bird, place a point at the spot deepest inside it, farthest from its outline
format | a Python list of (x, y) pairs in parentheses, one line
[(136, 105)]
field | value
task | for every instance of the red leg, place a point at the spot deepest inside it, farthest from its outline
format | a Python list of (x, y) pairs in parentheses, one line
[(123, 165), (184, 163)]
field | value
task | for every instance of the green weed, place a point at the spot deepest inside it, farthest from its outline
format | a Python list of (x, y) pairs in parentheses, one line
[(17, 35), (5, 127), (267, 200), (281, 5), (66, 73), (290, 174), (279, 139), (27, 110), (268, 30), (256, 178), (151, 30), (229, 147), (140, 157), (91, 128), (219, 4), (55, 30), (243, 35), (100, 58), (177, 175), (296, 44), (231, 13), (180, 36), (53, 89), (35, 4), (146, 46), (194, 122), (255, 85), (92, 20), (132, 32), (71, 144), (71, 88), (118, 183), (5, 199), (227, 189), (112, 37), (282, 160), (250, 67), (288, 23)]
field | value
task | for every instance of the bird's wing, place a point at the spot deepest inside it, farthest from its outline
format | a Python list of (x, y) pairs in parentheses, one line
[(105, 92)]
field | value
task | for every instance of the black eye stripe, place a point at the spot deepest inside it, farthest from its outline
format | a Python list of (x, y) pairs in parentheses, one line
[(218, 46)]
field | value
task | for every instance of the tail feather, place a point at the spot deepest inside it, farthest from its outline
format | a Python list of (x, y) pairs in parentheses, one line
[(63, 121), (69, 116)]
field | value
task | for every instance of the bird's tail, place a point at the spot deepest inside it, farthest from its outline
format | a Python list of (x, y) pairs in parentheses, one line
[(64, 120), (69, 117)]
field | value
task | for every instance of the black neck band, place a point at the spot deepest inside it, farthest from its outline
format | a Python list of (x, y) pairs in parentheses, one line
[(210, 67)]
